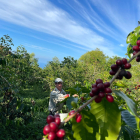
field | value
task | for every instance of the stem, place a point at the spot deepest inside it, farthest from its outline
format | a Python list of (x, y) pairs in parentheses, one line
[(78, 110)]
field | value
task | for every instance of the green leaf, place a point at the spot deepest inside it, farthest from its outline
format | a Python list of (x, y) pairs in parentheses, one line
[(21, 107), (129, 119), (77, 85), (87, 129), (69, 100), (85, 90), (129, 50), (79, 90), (130, 103), (129, 131), (72, 91), (120, 84), (138, 123), (126, 135), (133, 36), (108, 117)]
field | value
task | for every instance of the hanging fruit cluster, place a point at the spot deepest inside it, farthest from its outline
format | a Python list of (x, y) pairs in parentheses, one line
[(123, 64), (102, 90), (78, 116), (52, 128), (136, 49)]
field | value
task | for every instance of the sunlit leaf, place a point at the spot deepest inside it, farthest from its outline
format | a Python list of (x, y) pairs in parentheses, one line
[(108, 117)]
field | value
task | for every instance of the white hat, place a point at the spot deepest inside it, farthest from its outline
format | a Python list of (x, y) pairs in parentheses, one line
[(58, 80)]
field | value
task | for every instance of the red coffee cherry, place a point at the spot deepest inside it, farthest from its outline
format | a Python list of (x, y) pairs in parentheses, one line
[(60, 133), (106, 84), (119, 63), (128, 75), (127, 66), (99, 81), (138, 42), (124, 60), (135, 48), (50, 118), (46, 129), (108, 90), (101, 94), (109, 98), (98, 99), (114, 67), (78, 118)]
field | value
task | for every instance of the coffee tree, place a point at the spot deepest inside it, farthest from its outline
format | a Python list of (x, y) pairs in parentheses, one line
[(12, 78), (105, 118)]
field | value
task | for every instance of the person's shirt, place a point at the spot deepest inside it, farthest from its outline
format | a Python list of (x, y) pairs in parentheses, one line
[(56, 96)]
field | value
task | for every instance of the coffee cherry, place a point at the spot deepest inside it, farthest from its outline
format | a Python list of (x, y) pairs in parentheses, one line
[(99, 81), (53, 126), (138, 42), (138, 59), (119, 77), (50, 119), (112, 72), (127, 66), (95, 90), (100, 86), (124, 60), (128, 75), (73, 104), (60, 133), (135, 48), (46, 129), (114, 67), (78, 118), (71, 112), (77, 115), (92, 94), (82, 98), (122, 73), (98, 99), (119, 63), (94, 85), (108, 90), (51, 136), (101, 94), (109, 98), (106, 84), (57, 120)]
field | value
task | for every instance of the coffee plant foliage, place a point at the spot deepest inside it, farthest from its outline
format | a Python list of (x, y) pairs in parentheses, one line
[(106, 120), (16, 72)]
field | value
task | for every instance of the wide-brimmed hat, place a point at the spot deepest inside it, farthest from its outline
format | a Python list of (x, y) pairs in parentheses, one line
[(58, 80)]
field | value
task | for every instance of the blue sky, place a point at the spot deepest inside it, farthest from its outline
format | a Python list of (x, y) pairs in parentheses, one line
[(64, 28)]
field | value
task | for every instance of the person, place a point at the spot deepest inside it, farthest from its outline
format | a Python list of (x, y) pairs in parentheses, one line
[(56, 96)]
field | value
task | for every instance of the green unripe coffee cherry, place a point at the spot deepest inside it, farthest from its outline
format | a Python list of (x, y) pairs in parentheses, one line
[(73, 104)]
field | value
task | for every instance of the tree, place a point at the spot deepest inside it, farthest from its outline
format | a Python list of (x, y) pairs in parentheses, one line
[(69, 61), (93, 57)]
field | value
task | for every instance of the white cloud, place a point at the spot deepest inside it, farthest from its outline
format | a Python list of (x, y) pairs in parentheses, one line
[(41, 15), (91, 17), (121, 45), (120, 13)]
